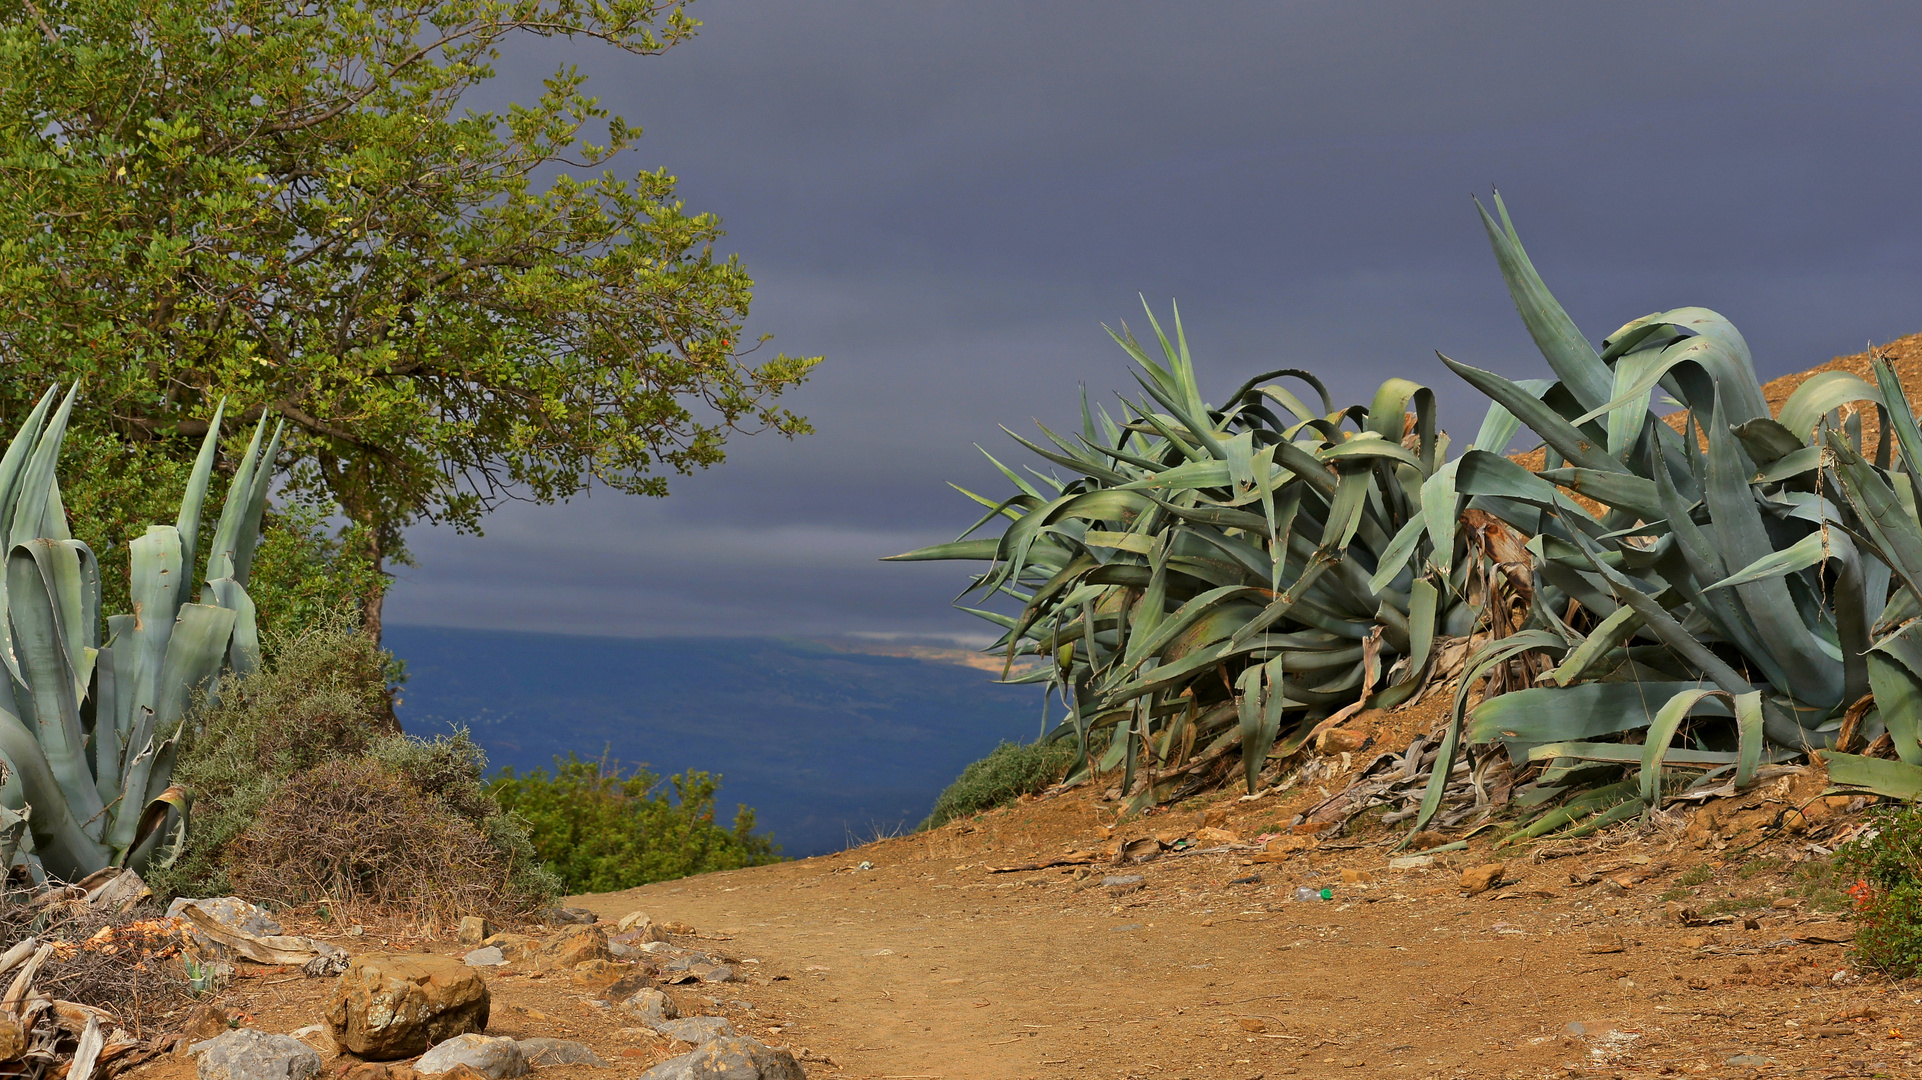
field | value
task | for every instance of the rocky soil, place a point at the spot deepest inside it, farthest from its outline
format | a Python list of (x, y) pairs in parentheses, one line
[(1709, 942)]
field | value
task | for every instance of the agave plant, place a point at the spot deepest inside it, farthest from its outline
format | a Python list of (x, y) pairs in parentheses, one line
[(1207, 579), (1887, 525), (1725, 612), (89, 727)]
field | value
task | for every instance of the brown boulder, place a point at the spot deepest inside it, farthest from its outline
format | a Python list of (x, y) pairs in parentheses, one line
[(574, 948), (392, 1005)]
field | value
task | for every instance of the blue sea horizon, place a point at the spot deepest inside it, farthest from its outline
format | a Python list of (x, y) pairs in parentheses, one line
[(830, 747)]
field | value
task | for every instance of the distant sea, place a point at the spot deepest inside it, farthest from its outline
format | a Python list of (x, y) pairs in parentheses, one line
[(830, 747)]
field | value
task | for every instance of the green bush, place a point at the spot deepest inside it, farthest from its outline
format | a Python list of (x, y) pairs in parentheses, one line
[(318, 704), (1884, 869), (1011, 771), (600, 831)]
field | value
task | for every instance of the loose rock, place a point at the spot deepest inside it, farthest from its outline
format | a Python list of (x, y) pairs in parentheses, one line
[(231, 912), (474, 930), (738, 1058), (496, 1059), (569, 916), (541, 1053), (633, 919), (650, 1007), (1480, 879), (1122, 884), (390, 1006), (514, 946), (607, 978), (486, 956), (574, 948), (318, 1037), (255, 1055), (697, 1029)]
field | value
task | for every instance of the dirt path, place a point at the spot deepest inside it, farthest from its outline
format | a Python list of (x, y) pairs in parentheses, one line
[(928, 966)]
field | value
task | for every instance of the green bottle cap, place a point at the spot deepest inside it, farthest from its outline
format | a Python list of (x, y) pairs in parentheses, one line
[(1327, 894)]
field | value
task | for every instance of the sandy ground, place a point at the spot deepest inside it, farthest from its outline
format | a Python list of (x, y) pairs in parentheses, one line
[(928, 965)]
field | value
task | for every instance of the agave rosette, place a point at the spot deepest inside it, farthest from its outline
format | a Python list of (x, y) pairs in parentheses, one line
[(1724, 609), (89, 726), (1204, 579)]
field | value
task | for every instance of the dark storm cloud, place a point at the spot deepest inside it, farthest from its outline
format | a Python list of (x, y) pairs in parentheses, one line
[(948, 200)]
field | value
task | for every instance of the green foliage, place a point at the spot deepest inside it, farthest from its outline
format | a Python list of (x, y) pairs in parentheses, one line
[(318, 701), (90, 721), (1718, 604), (1204, 579), (1884, 868), (1009, 772), (1210, 579), (301, 572), (290, 206), (600, 831)]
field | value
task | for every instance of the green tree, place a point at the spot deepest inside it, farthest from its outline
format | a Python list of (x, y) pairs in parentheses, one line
[(281, 203), (600, 831)]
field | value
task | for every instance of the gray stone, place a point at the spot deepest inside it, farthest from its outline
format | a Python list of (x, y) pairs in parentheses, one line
[(622, 950), (496, 1059), (1752, 1061), (247, 1054), (231, 912), (490, 956), (689, 960), (650, 1007), (541, 1053), (738, 1058), (569, 916), (1121, 884), (713, 973), (696, 1029)]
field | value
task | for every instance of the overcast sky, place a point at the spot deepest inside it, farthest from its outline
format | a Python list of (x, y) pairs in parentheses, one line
[(948, 200)]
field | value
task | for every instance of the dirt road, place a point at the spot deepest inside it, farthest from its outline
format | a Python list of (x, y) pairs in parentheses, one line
[(927, 965)]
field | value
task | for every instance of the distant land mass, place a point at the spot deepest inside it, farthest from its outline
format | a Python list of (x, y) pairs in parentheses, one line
[(828, 744)]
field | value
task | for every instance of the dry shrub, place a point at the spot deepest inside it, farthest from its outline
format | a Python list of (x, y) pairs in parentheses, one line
[(262, 762), (357, 835)]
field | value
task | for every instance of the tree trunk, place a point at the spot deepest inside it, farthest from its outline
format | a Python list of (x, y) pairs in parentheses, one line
[(370, 609)]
